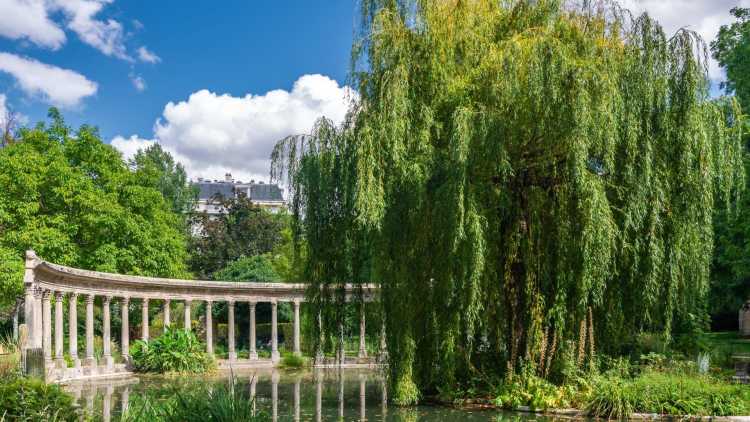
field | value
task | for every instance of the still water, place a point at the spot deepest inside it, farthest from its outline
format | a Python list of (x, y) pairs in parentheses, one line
[(325, 395)]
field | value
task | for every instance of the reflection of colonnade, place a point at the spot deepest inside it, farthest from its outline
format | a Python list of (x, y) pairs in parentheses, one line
[(115, 396), (46, 283)]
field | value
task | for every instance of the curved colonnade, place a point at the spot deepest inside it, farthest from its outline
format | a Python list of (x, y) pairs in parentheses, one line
[(46, 283)]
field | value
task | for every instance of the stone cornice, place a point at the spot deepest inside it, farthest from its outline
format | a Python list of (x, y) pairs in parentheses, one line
[(60, 278)]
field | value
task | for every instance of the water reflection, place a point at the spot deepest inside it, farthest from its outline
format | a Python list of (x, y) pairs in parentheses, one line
[(324, 395)]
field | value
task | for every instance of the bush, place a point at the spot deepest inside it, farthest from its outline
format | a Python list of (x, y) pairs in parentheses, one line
[(176, 350), (28, 399), (666, 393), (227, 403), (290, 360)]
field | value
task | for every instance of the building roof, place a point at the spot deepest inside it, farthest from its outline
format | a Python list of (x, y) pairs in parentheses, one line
[(257, 191)]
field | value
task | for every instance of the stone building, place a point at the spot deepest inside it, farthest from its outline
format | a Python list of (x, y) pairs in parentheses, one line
[(264, 195)]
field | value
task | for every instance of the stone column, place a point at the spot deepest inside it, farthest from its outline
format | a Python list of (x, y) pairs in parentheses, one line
[(38, 318), (59, 361), (47, 328), (230, 331), (90, 361), (106, 336), (296, 327), (73, 329), (28, 313), (319, 355), (275, 357), (144, 322), (167, 321), (253, 351), (188, 320), (209, 328), (362, 344), (125, 331)]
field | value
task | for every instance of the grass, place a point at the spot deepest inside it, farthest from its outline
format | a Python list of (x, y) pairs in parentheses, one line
[(10, 357), (667, 394), (293, 361)]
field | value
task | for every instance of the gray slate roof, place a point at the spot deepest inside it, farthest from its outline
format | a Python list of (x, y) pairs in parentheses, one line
[(258, 192)]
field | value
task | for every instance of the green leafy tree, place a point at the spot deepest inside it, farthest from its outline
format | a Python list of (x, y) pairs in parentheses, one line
[(249, 268), (730, 283), (241, 229), (72, 199), (156, 168), (517, 176)]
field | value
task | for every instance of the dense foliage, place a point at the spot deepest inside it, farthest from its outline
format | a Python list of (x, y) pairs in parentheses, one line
[(517, 176), (242, 229), (176, 350), (72, 199), (156, 168), (249, 268), (731, 271), (28, 399)]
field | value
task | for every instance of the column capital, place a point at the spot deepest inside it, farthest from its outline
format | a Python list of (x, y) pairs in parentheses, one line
[(59, 296), (296, 301), (107, 299), (145, 301), (125, 300), (230, 302), (73, 296), (252, 303), (90, 298), (209, 301)]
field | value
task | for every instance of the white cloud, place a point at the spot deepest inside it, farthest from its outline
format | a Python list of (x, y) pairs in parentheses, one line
[(106, 36), (703, 16), (148, 56), (138, 82), (61, 87), (28, 19), (130, 146), (3, 110), (212, 134)]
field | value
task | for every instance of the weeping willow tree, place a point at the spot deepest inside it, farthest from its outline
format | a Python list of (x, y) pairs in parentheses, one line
[(517, 177)]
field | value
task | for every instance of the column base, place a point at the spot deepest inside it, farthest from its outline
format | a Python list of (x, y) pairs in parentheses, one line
[(109, 362), (253, 355), (60, 363), (362, 354), (89, 362), (275, 356), (232, 355), (76, 362)]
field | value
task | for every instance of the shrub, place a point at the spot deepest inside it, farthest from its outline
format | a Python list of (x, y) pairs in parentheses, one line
[(667, 394), (226, 403), (176, 350), (10, 357), (29, 399), (291, 360)]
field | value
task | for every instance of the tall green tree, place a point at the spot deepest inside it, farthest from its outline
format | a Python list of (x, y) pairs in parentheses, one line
[(157, 168), (518, 177), (72, 199), (241, 229), (730, 283)]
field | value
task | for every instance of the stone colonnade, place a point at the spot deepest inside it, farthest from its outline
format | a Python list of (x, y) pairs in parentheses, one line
[(745, 320), (45, 282)]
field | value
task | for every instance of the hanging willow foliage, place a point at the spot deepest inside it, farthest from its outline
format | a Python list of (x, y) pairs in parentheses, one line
[(516, 176)]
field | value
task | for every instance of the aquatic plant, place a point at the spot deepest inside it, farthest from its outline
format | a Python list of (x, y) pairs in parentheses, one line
[(31, 399)]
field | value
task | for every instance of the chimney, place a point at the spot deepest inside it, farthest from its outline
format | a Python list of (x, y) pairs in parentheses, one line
[(228, 178)]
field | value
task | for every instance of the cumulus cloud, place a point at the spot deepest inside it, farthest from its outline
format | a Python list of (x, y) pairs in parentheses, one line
[(29, 19), (3, 110), (130, 146), (58, 86), (212, 134), (148, 56), (704, 17), (138, 82), (106, 36)]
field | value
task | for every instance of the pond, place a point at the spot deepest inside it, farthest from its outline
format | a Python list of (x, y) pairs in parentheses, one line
[(325, 395)]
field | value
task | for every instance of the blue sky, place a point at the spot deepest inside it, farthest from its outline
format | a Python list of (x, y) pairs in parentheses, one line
[(215, 85)]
